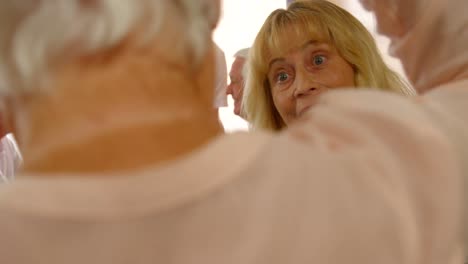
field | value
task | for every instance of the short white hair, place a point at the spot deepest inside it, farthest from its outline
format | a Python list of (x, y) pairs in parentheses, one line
[(34, 34), (243, 53)]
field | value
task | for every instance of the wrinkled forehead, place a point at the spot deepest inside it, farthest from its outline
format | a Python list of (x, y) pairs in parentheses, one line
[(294, 34)]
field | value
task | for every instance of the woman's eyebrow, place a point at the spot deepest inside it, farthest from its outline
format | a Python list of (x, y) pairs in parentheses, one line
[(302, 47), (273, 61)]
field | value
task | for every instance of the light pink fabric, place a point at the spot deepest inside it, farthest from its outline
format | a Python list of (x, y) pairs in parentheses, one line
[(366, 177), (347, 186)]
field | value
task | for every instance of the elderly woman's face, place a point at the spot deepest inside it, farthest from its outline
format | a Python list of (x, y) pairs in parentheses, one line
[(298, 78)]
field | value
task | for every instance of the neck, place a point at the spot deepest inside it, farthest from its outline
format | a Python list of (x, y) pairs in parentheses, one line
[(119, 148)]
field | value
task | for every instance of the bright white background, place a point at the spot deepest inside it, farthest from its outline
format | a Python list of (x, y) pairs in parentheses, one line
[(242, 19)]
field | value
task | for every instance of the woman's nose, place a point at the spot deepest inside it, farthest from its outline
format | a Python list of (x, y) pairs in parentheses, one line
[(305, 90), (305, 85)]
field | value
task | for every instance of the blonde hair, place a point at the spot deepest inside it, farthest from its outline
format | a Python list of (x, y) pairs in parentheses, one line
[(317, 20), (35, 34)]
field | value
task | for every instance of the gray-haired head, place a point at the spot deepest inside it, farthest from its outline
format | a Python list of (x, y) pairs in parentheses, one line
[(243, 53), (38, 35)]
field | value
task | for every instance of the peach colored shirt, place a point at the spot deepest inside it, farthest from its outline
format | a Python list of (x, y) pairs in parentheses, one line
[(366, 177)]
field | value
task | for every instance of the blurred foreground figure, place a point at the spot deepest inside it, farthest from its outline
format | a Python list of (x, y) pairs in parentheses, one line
[(125, 161)]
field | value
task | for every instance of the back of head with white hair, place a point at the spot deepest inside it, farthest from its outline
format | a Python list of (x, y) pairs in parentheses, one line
[(243, 53), (35, 35)]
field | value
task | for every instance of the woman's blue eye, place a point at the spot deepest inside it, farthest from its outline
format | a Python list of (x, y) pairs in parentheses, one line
[(319, 60), (282, 77)]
